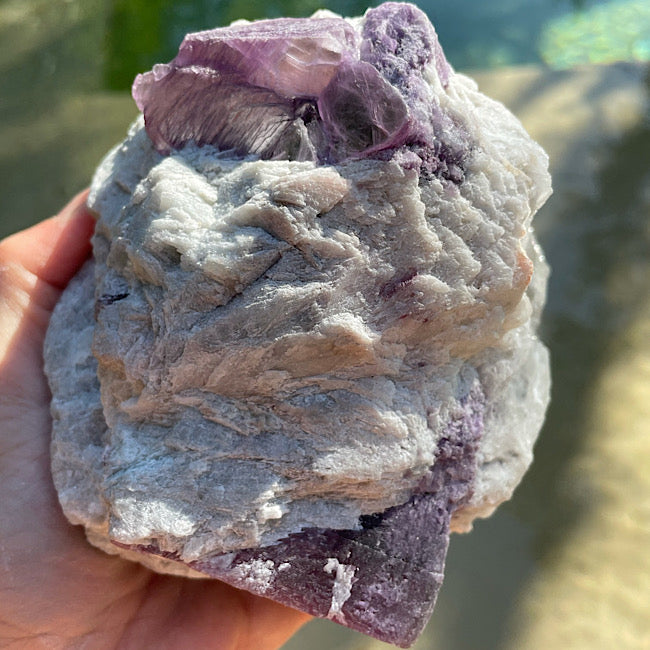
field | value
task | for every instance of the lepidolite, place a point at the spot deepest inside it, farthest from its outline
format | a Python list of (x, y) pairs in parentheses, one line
[(305, 350)]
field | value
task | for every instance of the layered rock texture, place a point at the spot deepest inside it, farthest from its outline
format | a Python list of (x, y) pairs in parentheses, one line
[(305, 349)]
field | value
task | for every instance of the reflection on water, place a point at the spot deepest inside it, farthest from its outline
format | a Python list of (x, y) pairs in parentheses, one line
[(566, 563), (615, 31)]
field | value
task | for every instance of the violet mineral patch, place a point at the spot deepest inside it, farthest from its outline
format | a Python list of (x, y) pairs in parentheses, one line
[(304, 351)]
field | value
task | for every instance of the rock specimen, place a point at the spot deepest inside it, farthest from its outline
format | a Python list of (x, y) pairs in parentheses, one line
[(305, 349)]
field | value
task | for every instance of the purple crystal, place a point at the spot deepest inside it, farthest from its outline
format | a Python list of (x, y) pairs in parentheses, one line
[(399, 41), (308, 89), (382, 579), (246, 119), (354, 122), (292, 57)]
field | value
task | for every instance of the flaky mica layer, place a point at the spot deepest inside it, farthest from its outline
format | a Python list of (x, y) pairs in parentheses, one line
[(305, 349)]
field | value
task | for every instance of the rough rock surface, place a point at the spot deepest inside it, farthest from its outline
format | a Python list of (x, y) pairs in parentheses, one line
[(305, 349)]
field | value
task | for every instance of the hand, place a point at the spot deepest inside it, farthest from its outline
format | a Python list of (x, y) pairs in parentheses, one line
[(57, 591)]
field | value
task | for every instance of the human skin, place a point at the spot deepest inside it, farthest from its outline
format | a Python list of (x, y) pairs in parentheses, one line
[(57, 591)]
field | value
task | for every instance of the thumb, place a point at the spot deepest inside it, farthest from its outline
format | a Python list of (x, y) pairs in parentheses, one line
[(54, 249), (37, 263)]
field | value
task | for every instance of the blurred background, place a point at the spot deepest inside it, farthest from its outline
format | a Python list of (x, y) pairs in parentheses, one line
[(566, 563)]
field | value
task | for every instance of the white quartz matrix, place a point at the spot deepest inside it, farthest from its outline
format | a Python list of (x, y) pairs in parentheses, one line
[(264, 346)]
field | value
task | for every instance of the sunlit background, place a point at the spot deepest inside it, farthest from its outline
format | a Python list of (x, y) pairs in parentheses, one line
[(565, 564), (66, 64)]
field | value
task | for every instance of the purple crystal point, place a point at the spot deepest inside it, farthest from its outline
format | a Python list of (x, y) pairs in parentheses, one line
[(307, 89), (399, 40), (292, 57), (363, 112)]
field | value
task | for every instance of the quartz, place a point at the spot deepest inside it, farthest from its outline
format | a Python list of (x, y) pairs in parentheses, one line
[(305, 349)]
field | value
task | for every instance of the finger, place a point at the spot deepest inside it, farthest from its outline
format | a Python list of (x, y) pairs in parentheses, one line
[(34, 265), (271, 624), (54, 249)]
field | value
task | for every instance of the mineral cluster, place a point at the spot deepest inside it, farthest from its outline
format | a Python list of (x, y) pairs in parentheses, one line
[(305, 350)]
